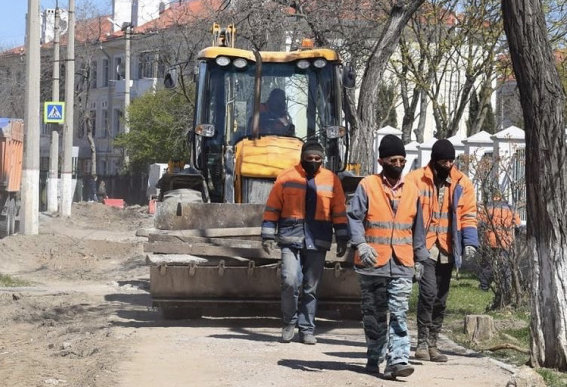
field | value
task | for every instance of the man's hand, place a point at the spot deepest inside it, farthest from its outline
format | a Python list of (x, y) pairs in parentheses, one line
[(367, 254), (269, 245), (470, 252), (341, 248), (418, 271)]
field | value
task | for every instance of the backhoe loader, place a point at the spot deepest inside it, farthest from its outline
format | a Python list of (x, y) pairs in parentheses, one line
[(254, 110)]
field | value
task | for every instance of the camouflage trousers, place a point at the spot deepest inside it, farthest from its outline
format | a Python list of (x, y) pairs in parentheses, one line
[(385, 340)]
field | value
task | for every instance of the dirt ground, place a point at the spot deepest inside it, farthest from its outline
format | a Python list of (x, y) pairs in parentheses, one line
[(84, 318)]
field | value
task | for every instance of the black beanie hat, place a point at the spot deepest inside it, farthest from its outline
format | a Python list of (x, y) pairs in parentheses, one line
[(443, 150), (391, 146), (313, 147)]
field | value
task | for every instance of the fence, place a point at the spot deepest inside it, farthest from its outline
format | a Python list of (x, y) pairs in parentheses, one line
[(492, 161)]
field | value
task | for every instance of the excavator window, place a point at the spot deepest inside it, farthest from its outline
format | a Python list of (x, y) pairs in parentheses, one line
[(295, 102)]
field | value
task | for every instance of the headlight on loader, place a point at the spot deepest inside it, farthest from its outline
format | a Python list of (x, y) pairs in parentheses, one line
[(205, 130)]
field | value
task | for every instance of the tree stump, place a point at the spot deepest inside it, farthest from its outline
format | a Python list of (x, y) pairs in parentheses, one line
[(479, 327)]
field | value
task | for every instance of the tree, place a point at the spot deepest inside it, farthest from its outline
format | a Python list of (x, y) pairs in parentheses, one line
[(159, 123), (448, 53), (474, 110), (365, 34), (543, 104), (480, 117), (386, 110), (12, 84), (398, 17)]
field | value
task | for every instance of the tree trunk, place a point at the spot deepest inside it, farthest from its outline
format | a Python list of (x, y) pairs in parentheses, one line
[(460, 108), (542, 100), (423, 103), (92, 145), (362, 142)]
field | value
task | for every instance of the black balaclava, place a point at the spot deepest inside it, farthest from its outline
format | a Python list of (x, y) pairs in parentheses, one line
[(442, 150), (311, 147), (391, 146)]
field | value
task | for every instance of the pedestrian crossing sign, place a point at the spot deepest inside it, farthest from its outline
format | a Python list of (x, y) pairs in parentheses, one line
[(54, 112)]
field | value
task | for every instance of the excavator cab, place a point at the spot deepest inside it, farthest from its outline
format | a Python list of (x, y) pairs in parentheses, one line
[(253, 112)]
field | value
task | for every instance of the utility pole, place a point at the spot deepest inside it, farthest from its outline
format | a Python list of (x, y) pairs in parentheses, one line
[(53, 176), (29, 219), (67, 167), (127, 29)]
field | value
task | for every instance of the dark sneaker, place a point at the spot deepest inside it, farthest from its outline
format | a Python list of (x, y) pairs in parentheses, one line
[(287, 333), (395, 370), (371, 366), (308, 338)]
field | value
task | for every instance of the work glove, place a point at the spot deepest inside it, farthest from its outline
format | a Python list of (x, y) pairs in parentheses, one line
[(470, 252), (341, 248), (367, 254), (269, 245), (418, 271)]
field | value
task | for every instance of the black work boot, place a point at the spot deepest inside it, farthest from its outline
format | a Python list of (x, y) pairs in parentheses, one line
[(422, 350), (371, 366), (434, 353)]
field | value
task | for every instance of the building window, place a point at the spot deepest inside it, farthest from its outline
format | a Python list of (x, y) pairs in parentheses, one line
[(102, 168), (104, 127), (117, 122), (105, 72), (93, 74), (118, 68), (147, 65)]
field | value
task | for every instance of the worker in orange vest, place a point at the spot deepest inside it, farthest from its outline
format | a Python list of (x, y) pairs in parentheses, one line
[(305, 204), (498, 220), (449, 212), (387, 229)]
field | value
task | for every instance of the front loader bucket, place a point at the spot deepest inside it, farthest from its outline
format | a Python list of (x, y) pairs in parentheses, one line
[(193, 290)]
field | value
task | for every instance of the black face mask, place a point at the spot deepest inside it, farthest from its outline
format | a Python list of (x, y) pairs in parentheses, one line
[(392, 171), (311, 167), (441, 172)]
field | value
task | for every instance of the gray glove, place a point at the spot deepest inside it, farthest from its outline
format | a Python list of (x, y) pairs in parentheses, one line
[(367, 254), (418, 271), (470, 252), (269, 245)]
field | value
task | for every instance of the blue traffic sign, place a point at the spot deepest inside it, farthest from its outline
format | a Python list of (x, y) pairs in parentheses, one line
[(54, 112)]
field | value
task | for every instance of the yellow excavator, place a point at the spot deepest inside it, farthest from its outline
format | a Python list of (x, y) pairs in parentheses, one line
[(253, 112)]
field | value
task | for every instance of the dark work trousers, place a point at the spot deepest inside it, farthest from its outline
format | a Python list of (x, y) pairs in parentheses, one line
[(433, 292)]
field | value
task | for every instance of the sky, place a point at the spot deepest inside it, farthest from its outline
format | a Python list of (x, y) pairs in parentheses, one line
[(13, 25)]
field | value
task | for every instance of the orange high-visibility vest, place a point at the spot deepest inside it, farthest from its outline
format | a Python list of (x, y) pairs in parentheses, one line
[(459, 207), (285, 208), (499, 220), (388, 233)]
